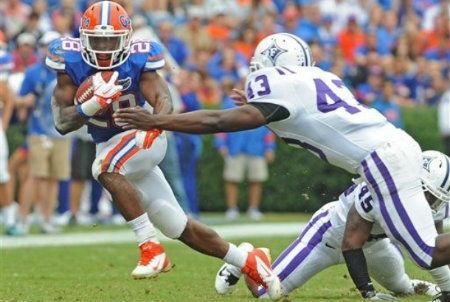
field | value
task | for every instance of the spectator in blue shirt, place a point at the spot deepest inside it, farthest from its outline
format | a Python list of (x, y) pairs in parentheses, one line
[(245, 153), (176, 47), (387, 105), (48, 150)]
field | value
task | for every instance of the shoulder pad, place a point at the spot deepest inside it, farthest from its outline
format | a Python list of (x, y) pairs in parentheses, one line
[(59, 49), (152, 51)]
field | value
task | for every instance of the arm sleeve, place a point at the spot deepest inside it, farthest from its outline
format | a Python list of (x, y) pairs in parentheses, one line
[(155, 58), (55, 56)]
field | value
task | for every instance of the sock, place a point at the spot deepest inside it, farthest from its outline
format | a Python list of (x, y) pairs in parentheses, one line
[(442, 277), (143, 229), (235, 256), (9, 214)]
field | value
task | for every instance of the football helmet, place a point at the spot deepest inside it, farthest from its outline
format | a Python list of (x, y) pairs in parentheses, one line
[(105, 32), (281, 49), (435, 177)]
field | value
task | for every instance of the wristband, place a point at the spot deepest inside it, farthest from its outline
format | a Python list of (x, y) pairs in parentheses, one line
[(89, 108), (357, 267)]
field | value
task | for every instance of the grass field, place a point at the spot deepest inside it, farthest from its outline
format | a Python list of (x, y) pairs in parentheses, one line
[(102, 273)]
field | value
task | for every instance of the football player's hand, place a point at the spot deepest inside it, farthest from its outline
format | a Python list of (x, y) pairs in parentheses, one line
[(106, 92), (238, 97), (144, 139), (376, 296), (135, 118)]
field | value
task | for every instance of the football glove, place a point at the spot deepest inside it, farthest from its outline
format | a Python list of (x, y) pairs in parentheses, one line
[(104, 94), (376, 296)]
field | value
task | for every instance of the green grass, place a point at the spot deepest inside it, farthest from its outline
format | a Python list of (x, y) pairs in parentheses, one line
[(102, 273)]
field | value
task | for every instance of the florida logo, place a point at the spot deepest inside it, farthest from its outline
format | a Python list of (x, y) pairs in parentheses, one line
[(126, 83), (125, 21)]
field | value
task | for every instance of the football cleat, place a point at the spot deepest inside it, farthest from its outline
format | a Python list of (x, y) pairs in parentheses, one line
[(228, 275), (258, 269), (153, 261), (422, 287), (442, 297)]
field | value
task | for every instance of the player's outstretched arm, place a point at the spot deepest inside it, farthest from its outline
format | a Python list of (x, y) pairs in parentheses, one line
[(200, 121), (155, 91), (65, 114)]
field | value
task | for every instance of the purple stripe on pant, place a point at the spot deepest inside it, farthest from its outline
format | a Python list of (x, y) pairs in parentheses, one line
[(294, 244), (304, 252), (429, 250), (387, 218)]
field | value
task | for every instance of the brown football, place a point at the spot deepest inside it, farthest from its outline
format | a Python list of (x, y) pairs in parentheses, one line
[(86, 89)]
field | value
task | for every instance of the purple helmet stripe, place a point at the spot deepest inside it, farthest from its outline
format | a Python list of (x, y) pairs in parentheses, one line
[(386, 216)]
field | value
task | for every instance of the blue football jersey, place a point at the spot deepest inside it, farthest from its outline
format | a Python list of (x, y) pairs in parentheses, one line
[(64, 55)]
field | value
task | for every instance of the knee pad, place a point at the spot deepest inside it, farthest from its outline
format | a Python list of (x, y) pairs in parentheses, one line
[(170, 220)]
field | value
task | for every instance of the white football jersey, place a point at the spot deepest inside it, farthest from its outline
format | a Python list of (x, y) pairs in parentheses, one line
[(325, 118), (359, 195)]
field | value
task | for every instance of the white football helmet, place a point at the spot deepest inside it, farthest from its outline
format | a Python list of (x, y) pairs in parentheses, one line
[(435, 177), (281, 49)]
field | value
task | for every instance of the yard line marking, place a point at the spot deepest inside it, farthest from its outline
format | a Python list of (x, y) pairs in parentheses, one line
[(123, 236)]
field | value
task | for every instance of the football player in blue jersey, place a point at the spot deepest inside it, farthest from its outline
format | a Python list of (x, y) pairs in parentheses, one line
[(126, 162)]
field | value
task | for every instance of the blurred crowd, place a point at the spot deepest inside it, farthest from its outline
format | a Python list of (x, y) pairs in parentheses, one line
[(391, 53)]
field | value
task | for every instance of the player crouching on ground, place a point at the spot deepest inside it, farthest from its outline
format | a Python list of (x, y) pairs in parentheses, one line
[(319, 247), (363, 218)]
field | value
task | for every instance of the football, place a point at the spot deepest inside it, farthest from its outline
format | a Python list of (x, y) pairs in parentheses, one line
[(86, 89)]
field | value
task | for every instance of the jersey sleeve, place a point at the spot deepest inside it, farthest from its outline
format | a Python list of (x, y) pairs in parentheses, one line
[(155, 59), (363, 202), (267, 86), (55, 56)]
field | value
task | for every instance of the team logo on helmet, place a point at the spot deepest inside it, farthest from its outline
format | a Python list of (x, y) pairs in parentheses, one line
[(273, 52), (85, 22), (125, 20), (426, 162)]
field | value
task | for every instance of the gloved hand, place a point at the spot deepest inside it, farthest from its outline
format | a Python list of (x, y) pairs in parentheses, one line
[(376, 296), (104, 94), (144, 139)]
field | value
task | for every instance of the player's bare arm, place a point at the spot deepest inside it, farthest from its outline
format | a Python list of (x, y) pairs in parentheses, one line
[(155, 91), (200, 121), (357, 231), (65, 114)]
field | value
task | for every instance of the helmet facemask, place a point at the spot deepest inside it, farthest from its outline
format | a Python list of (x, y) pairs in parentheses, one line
[(435, 178), (105, 48)]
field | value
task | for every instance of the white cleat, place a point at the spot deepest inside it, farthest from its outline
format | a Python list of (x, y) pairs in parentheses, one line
[(153, 261), (422, 287), (228, 275)]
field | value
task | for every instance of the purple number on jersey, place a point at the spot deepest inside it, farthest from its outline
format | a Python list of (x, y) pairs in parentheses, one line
[(323, 91), (263, 89)]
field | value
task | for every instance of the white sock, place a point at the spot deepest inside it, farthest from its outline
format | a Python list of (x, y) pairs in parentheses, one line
[(442, 277), (9, 215), (143, 229), (235, 256)]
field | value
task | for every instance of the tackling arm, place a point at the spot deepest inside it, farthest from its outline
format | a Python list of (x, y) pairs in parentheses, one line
[(199, 121), (65, 114), (357, 231)]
